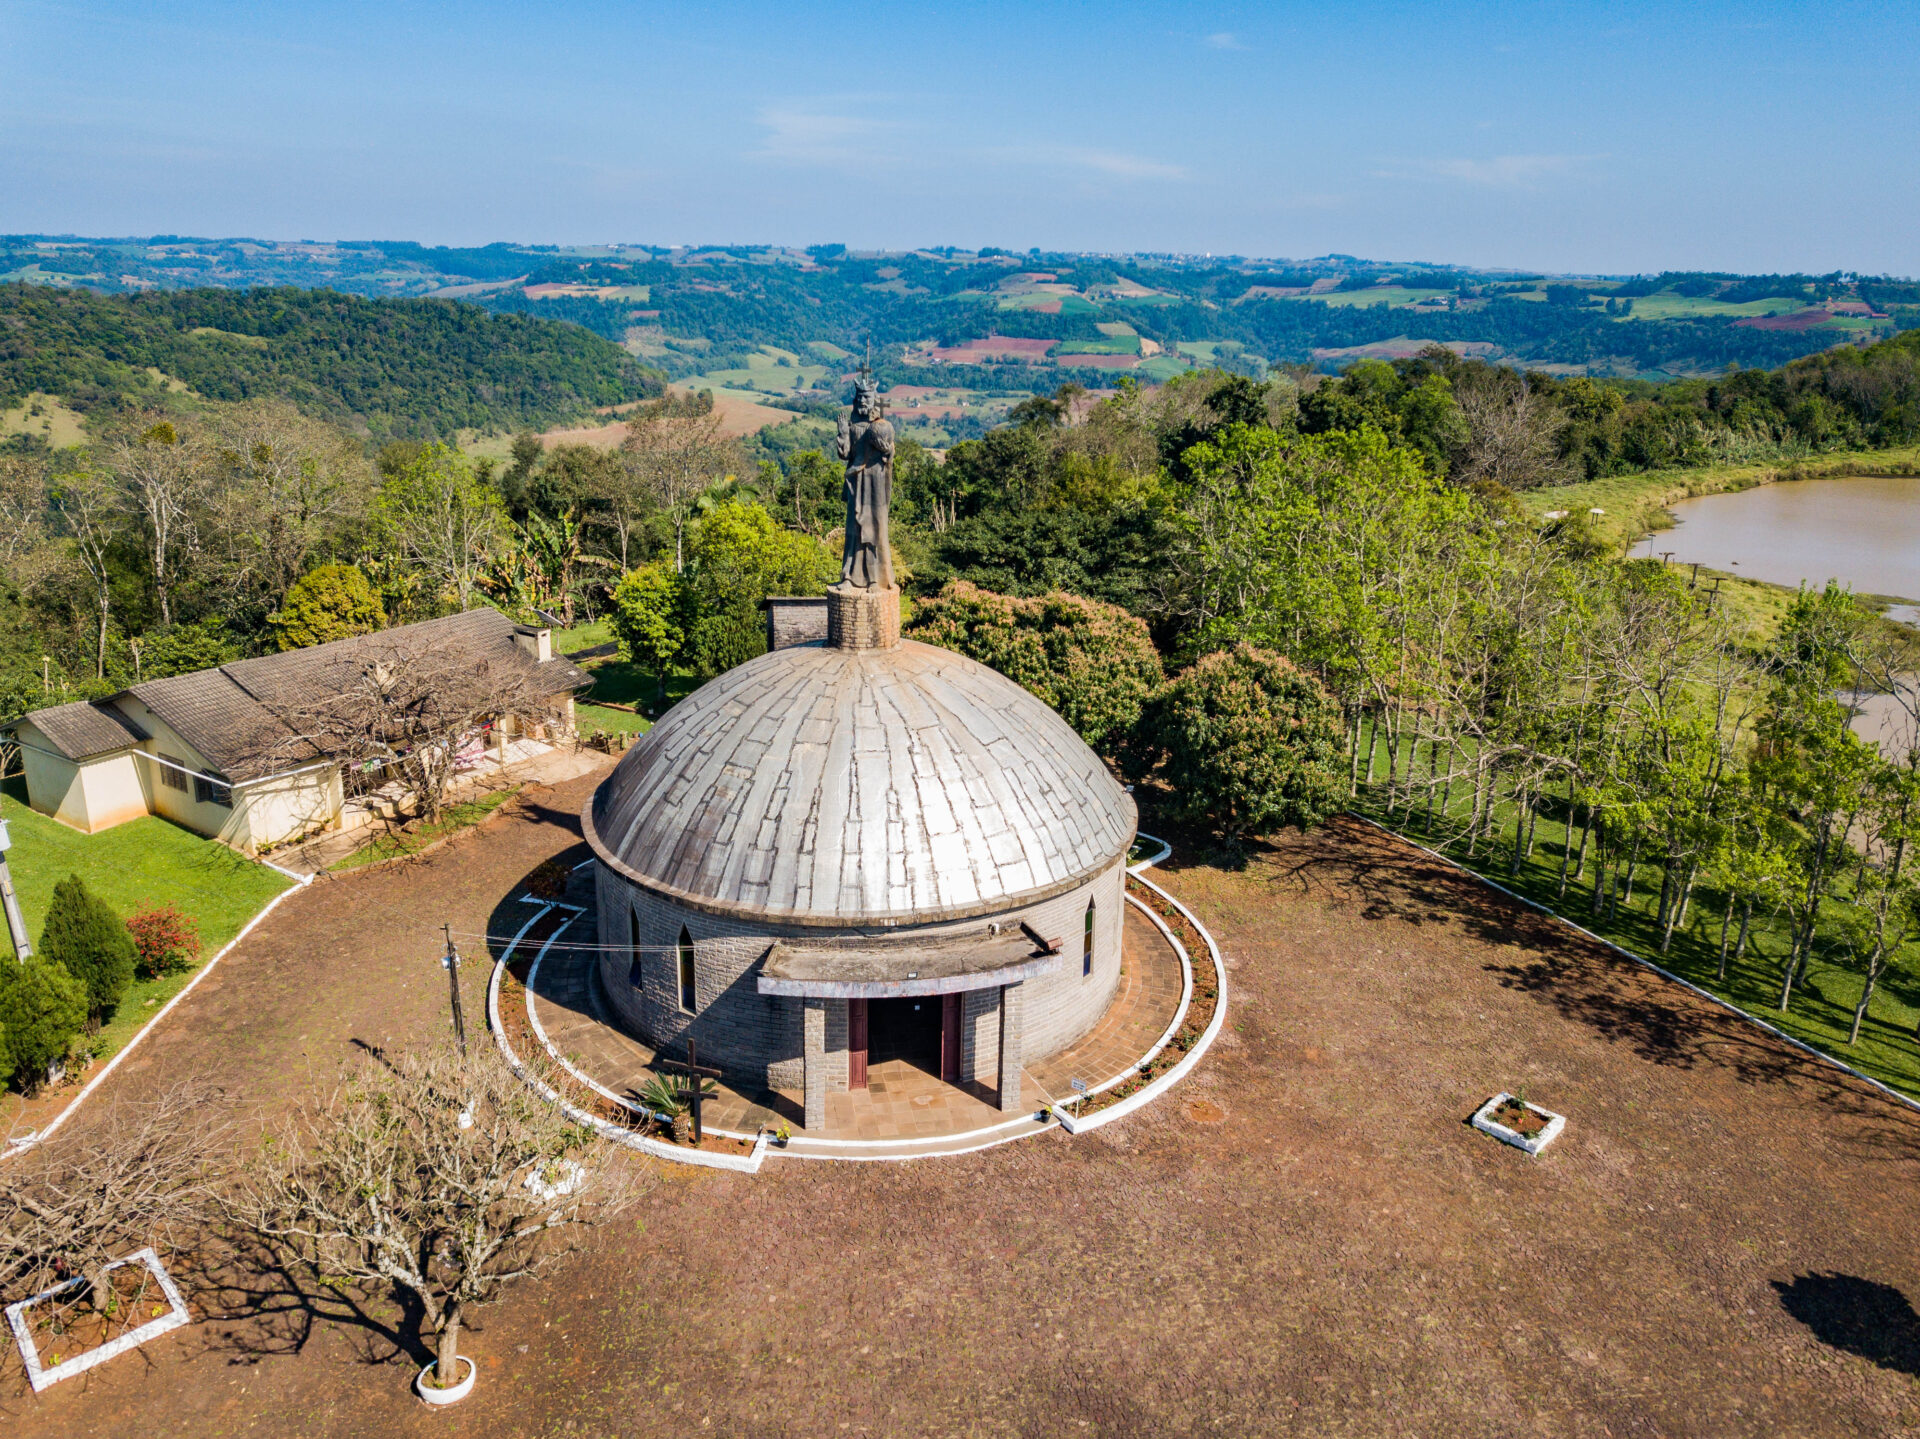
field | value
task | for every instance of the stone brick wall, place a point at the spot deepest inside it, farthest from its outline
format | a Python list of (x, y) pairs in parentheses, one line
[(753, 1035), (863, 619), (796, 620)]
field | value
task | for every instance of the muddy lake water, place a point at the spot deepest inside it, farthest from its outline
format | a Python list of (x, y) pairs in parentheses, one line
[(1863, 532)]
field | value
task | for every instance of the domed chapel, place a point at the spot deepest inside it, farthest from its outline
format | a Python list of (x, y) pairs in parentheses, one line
[(856, 845)]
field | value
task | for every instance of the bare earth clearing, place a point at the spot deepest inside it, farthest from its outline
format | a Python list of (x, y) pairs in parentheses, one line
[(1720, 1244)]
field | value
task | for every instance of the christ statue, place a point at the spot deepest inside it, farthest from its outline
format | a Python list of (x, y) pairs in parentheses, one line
[(866, 444)]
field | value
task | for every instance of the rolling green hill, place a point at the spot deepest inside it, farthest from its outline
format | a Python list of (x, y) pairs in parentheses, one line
[(385, 368)]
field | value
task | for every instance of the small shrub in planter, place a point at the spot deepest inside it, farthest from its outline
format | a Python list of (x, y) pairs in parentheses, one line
[(549, 879), (165, 941), (660, 1096), (85, 937)]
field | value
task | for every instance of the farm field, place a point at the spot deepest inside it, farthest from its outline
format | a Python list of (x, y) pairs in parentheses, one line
[(1666, 305), (1397, 296)]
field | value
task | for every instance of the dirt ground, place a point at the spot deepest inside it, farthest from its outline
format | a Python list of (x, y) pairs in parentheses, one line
[(1722, 1243)]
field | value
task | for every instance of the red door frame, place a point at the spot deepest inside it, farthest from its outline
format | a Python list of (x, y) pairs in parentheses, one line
[(856, 1044), (950, 1038)]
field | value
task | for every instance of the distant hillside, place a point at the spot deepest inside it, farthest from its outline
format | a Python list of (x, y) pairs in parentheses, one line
[(386, 368)]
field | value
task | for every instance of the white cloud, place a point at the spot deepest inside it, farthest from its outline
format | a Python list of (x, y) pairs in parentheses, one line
[(1224, 40), (1498, 170), (815, 137), (1115, 163)]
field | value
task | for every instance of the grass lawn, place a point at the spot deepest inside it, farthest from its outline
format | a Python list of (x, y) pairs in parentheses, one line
[(415, 838), (145, 859), (1668, 306), (1822, 1006)]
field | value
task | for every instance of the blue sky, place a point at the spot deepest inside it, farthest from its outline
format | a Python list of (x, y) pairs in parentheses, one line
[(1576, 137)]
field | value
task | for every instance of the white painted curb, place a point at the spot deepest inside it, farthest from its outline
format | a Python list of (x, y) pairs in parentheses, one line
[(1193, 1056), (1484, 1121), (40, 1378), (27, 1141), (746, 1164), (1666, 974)]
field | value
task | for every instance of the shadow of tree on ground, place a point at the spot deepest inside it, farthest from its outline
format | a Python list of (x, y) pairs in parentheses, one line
[(1861, 1316)]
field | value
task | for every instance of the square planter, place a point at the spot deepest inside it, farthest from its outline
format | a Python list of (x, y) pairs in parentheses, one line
[(40, 1376), (1484, 1121)]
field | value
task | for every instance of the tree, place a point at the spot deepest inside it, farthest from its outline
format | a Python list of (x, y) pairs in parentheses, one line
[(647, 606), (162, 472), (1247, 743), (1093, 662), (443, 519), (329, 602), (396, 706), (84, 503), (382, 1186), (85, 937), (737, 555), (42, 1008), (140, 1175), (23, 504), (677, 449)]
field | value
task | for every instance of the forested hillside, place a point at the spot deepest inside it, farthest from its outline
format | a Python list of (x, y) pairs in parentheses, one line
[(383, 368)]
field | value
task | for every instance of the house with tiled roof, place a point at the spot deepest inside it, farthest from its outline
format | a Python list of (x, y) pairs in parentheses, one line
[(216, 751)]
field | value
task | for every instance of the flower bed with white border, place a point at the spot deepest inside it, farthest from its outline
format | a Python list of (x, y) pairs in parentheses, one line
[(40, 1376), (1484, 1121)]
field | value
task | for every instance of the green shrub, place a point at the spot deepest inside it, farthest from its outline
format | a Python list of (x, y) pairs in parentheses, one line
[(85, 937), (42, 1009), (1093, 662), (329, 602), (1248, 744)]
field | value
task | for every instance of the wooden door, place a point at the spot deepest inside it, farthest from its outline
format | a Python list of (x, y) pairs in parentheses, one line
[(950, 1038), (856, 1044)]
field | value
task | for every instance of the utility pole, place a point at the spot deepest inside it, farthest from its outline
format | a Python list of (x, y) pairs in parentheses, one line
[(16, 926), (452, 962)]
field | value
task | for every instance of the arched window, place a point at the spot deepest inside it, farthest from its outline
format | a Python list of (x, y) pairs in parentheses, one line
[(686, 970), (1086, 944), (633, 946)]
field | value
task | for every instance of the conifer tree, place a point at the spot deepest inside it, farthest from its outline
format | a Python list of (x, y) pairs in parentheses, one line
[(42, 1008), (91, 942)]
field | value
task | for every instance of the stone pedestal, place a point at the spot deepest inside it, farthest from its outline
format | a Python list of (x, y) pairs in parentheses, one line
[(813, 1041), (860, 619)]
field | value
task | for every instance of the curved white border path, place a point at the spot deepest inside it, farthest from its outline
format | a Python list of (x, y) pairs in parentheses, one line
[(877, 1150)]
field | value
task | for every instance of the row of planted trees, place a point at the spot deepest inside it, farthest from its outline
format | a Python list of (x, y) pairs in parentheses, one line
[(1496, 672)]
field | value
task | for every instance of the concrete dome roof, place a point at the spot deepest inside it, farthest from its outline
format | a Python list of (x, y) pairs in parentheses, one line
[(860, 788)]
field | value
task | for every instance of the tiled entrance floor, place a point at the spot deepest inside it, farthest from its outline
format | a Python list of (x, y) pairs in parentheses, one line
[(901, 1101)]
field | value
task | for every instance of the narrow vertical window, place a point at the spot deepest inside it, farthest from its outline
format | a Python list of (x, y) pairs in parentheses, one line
[(1086, 944), (633, 947), (686, 971)]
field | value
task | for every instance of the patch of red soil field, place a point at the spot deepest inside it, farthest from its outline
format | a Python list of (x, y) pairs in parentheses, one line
[(1798, 320), (993, 347), (1306, 1237)]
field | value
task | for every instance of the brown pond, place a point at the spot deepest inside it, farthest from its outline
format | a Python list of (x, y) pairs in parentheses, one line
[(1864, 532)]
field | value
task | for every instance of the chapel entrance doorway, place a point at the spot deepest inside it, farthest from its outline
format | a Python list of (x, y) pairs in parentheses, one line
[(921, 1031)]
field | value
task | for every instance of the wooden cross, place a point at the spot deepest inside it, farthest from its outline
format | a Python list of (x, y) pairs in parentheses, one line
[(695, 1088)]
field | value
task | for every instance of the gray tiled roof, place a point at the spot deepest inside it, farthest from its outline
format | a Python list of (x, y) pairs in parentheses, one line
[(82, 731), (874, 787), (227, 714)]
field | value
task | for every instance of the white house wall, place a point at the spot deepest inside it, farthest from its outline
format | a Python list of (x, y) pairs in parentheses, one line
[(86, 797)]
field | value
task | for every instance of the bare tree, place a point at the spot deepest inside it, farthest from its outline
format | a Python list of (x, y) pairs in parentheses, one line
[(283, 485), (1512, 432), (396, 707), (440, 1175), (86, 505), (141, 1175), (162, 472), (23, 505), (677, 450)]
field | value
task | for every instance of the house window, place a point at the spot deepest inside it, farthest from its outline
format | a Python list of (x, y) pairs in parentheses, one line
[(172, 773), (1086, 943), (686, 971), (211, 791), (633, 946)]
